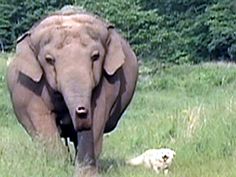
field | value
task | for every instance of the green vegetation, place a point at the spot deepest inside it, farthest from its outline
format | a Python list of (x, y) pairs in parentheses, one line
[(170, 31), (188, 108), (16, 17)]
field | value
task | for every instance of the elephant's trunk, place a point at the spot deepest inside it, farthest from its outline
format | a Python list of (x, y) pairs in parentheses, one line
[(77, 96), (80, 111)]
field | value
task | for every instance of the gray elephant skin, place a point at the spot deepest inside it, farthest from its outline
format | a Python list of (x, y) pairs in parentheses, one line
[(73, 76)]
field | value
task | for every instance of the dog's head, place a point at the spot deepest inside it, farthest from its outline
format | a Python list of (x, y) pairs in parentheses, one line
[(167, 155)]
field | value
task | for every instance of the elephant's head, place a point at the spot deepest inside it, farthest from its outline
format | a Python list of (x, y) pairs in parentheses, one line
[(72, 51)]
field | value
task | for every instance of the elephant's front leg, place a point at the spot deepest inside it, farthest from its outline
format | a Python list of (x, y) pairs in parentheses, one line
[(85, 157), (34, 115), (88, 150), (104, 99), (85, 149), (44, 122)]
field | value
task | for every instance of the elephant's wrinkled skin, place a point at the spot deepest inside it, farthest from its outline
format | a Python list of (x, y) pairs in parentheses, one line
[(73, 76)]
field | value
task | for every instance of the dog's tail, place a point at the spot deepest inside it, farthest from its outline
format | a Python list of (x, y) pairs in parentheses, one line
[(135, 161)]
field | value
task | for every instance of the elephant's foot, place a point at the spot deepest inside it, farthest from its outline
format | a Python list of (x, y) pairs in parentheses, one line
[(53, 147)]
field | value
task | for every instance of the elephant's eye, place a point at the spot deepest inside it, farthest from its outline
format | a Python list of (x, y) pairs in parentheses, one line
[(49, 59), (95, 55)]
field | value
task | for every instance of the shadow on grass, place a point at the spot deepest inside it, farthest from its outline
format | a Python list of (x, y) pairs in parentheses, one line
[(108, 164)]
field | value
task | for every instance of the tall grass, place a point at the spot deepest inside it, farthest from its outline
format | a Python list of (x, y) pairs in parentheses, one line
[(191, 109)]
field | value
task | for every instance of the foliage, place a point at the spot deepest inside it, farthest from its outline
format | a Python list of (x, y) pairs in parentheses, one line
[(16, 17), (222, 29), (194, 80), (169, 31)]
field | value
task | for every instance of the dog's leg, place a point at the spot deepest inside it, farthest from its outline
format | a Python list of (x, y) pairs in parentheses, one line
[(156, 169), (166, 171)]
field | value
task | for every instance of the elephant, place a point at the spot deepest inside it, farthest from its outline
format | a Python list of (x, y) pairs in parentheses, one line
[(73, 76)]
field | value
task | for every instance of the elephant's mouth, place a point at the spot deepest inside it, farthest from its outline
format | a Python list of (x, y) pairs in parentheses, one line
[(83, 125)]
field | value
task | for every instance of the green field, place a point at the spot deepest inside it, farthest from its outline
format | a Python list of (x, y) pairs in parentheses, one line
[(191, 109)]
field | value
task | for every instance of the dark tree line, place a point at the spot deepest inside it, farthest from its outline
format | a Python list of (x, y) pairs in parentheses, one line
[(17, 16), (176, 31)]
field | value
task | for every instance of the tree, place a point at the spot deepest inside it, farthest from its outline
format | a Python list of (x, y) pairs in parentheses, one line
[(17, 16), (175, 31)]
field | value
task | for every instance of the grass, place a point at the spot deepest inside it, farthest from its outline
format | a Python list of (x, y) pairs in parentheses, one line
[(191, 109)]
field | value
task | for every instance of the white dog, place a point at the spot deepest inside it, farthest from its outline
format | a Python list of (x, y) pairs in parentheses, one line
[(157, 159)]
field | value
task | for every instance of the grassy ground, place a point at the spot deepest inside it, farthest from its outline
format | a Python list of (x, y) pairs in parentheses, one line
[(191, 109)]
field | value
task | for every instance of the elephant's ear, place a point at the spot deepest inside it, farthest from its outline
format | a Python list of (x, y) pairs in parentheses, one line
[(115, 56), (26, 59)]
